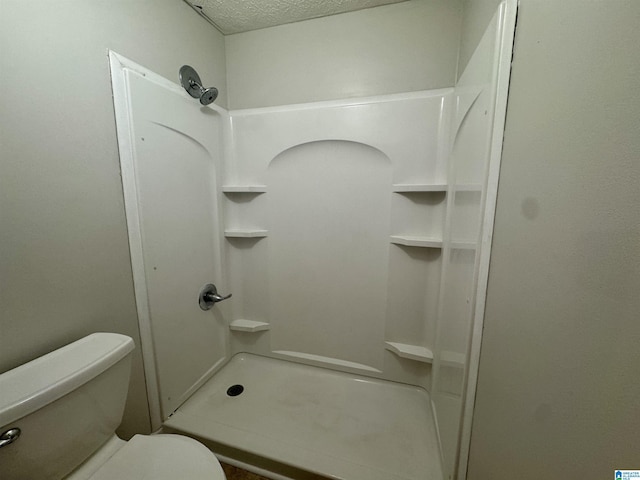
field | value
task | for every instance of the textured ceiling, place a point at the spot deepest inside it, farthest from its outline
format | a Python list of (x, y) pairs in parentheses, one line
[(235, 16)]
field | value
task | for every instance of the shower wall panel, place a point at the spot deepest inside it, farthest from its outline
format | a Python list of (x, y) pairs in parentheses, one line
[(334, 218), (170, 152), (467, 230), (328, 214)]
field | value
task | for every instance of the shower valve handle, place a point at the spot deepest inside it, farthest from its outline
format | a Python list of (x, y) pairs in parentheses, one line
[(10, 436), (210, 296), (215, 298)]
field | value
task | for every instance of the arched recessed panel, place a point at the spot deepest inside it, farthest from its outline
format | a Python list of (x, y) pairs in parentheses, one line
[(186, 136), (329, 210), (376, 155)]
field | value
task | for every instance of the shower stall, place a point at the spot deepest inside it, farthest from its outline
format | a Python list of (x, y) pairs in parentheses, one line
[(354, 236)]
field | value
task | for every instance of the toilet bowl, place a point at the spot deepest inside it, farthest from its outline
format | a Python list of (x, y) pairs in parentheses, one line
[(59, 413)]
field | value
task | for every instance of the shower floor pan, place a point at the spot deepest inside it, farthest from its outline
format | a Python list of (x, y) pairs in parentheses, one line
[(306, 422)]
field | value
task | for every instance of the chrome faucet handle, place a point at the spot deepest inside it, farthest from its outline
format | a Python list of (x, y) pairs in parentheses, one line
[(210, 296), (8, 437), (215, 297)]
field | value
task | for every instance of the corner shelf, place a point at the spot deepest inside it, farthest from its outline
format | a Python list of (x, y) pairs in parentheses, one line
[(412, 352), (416, 241), (419, 187), (245, 233), (251, 326), (244, 188)]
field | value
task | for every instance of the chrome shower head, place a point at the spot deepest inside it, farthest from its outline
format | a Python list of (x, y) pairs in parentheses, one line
[(190, 81), (208, 95)]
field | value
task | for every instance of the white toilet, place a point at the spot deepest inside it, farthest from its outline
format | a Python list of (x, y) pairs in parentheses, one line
[(59, 414)]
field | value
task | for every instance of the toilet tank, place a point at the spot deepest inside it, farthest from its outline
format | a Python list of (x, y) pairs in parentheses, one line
[(67, 404)]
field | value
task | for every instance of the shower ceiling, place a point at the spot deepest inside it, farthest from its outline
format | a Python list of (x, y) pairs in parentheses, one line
[(235, 16)]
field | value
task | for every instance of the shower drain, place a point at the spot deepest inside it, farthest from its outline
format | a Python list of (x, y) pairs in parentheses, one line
[(235, 390)]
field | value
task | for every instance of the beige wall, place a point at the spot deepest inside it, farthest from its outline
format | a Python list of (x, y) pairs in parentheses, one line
[(558, 393), (475, 18), (64, 258), (396, 48)]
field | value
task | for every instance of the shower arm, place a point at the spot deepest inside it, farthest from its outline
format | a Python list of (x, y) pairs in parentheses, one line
[(194, 84)]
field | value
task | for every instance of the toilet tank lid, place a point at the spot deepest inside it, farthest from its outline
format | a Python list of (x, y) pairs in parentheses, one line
[(33, 385)]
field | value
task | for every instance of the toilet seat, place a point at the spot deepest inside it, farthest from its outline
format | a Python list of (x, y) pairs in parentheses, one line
[(161, 457)]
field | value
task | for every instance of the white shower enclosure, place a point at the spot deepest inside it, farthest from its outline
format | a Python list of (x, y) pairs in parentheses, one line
[(354, 236)]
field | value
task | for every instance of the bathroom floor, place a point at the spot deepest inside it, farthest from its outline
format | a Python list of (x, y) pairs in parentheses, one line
[(328, 423), (235, 473)]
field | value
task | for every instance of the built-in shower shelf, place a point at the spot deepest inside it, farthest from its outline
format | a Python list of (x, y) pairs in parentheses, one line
[(419, 187), (416, 241), (412, 352), (245, 233), (244, 188), (242, 325)]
